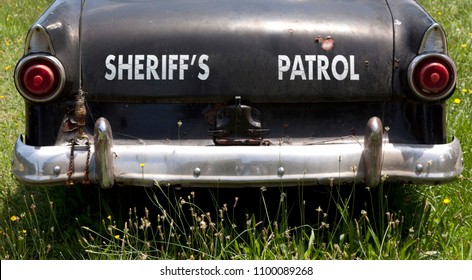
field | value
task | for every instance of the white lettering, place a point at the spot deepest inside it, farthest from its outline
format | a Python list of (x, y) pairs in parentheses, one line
[(334, 70), (138, 67), (323, 64), (182, 65), (353, 75), (168, 66), (110, 66), (297, 69), (172, 65), (284, 65), (310, 59), (164, 67), (125, 67), (319, 67), (203, 66), (151, 65)]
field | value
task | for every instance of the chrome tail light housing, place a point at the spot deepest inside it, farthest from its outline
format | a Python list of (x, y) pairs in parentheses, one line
[(432, 76), (39, 77)]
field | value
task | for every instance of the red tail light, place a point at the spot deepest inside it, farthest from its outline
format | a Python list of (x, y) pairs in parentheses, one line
[(432, 76), (39, 78)]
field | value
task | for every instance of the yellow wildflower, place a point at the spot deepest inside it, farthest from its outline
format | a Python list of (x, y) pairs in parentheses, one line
[(2, 96), (439, 13), (464, 90), (464, 46), (457, 101), (117, 236), (446, 201), (109, 217), (142, 165), (13, 218), (7, 68), (24, 231)]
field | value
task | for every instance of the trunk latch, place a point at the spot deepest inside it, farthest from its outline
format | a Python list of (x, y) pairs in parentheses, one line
[(238, 124)]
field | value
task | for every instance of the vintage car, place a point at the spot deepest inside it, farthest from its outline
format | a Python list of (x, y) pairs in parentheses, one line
[(235, 93)]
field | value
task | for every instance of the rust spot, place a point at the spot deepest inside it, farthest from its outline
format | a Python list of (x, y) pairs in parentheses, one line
[(238, 142), (266, 143), (396, 63), (69, 125), (327, 43)]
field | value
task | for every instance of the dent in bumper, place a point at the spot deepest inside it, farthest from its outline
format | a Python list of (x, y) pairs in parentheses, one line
[(368, 161)]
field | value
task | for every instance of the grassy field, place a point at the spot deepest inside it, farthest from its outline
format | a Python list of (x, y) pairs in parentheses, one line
[(407, 222)]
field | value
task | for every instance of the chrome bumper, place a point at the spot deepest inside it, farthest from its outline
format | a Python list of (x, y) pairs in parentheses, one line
[(368, 161)]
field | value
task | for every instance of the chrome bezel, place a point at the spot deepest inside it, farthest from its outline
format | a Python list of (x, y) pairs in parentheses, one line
[(418, 93), (51, 59)]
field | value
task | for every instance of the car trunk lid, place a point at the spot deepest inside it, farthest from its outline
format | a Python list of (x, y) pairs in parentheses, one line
[(211, 51)]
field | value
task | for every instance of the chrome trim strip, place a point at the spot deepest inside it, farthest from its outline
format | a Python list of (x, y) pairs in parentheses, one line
[(38, 33), (433, 28)]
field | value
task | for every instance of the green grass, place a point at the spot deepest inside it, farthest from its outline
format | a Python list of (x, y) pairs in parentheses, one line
[(407, 222)]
